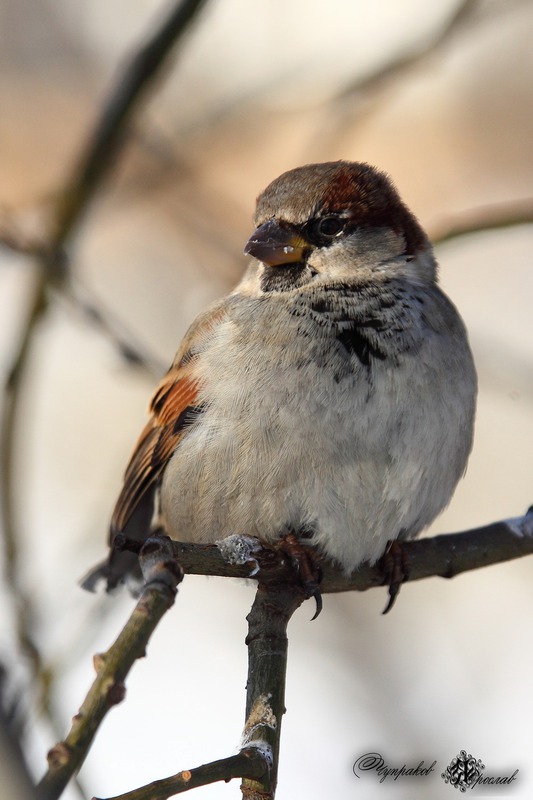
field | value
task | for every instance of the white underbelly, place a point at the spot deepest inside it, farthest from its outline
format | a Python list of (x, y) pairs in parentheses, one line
[(321, 459)]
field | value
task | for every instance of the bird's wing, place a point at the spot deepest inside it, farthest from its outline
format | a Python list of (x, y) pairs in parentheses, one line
[(171, 407)]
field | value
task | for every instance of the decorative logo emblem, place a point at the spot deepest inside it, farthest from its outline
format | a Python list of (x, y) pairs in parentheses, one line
[(463, 771)]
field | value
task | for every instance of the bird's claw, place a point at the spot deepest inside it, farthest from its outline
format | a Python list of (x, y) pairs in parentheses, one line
[(395, 565), (309, 572)]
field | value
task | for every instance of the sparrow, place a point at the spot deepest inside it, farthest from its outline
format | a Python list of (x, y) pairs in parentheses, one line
[(330, 396)]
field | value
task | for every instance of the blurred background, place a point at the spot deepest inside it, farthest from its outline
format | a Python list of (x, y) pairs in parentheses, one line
[(440, 95)]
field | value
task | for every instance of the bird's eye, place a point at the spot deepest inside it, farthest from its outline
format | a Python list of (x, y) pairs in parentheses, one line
[(329, 227)]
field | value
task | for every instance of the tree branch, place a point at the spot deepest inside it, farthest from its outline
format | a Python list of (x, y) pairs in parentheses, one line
[(267, 669), (257, 761), (248, 763), (162, 577), (445, 556), (278, 596)]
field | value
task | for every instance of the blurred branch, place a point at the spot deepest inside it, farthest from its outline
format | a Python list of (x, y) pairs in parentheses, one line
[(102, 147), (82, 299), (349, 102), (108, 136), (8, 431), (397, 67), (14, 774), (486, 218), (464, 15), (48, 249), (161, 579)]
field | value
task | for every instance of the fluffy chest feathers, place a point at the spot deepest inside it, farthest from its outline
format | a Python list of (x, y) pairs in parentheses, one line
[(325, 411)]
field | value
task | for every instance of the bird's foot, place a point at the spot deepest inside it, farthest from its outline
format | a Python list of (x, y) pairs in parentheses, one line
[(395, 566), (305, 565)]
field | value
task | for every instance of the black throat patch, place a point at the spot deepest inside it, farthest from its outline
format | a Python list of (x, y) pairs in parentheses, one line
[(359, 340), (286, 277)]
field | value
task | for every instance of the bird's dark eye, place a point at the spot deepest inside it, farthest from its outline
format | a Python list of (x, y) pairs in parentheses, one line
[(329, 226), (323, 230)]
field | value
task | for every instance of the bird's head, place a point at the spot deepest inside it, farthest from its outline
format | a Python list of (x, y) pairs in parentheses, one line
[(340, 221)]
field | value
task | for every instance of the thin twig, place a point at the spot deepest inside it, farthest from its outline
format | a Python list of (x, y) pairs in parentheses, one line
[(66, 757), (248, 763)]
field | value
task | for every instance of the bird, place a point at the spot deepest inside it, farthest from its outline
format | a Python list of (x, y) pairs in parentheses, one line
[(330, 397)]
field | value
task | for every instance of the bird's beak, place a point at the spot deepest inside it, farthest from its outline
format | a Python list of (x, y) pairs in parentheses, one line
[(276, 244)]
